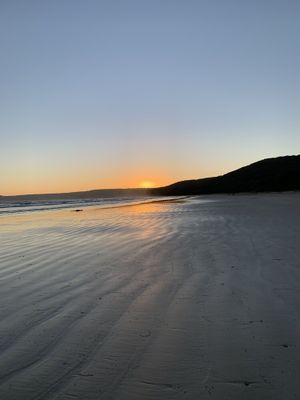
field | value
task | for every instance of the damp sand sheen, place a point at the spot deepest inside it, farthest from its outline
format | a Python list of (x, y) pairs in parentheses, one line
[(197, 298)]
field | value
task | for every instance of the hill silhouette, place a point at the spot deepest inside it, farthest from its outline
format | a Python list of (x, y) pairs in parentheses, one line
[(269, 175), (90, 194)]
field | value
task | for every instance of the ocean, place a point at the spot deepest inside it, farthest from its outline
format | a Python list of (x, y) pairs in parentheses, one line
[(15, 205)]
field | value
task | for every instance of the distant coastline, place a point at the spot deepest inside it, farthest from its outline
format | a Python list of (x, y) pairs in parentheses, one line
[(90, 194), (269, 175)]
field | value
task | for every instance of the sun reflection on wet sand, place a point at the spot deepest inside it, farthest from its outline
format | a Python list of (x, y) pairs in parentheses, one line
[(148, 300)]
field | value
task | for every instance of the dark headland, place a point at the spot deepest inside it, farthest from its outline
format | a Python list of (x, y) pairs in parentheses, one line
[(183, 300), (269, 175)]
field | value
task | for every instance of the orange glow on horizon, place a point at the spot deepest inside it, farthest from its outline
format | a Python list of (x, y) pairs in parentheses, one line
[(146, 184), (75, 183), (35, 181)]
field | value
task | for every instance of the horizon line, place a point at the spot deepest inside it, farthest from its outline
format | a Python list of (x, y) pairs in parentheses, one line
[(138, 188)]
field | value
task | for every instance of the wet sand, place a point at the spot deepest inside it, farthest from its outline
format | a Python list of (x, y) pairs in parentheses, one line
[(176, 300)]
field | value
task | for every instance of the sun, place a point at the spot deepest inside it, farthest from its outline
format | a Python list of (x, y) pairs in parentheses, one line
[(146, 184)]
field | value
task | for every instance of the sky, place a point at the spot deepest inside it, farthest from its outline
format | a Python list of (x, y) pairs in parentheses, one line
[(106, 93)]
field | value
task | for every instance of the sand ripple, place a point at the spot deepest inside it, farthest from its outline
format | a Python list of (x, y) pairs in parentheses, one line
[(155, 301)]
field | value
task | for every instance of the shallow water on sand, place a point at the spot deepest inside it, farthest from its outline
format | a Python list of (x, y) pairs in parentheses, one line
[(13, 205), (167, 300)]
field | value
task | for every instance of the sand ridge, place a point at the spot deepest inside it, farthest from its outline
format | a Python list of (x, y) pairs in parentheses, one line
[(174, 300)]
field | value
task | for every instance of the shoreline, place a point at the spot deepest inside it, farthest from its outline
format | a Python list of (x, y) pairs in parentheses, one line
[(165, 300)]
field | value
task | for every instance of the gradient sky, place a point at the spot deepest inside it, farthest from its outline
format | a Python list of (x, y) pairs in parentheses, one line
[(106, 93)]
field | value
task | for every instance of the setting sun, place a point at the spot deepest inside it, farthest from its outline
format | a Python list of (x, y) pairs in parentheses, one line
[(146, 184)]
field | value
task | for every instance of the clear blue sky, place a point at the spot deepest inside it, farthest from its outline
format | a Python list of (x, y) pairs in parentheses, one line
[(109, 93)]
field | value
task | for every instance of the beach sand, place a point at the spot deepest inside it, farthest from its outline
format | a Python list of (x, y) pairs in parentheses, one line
[(170, 300)]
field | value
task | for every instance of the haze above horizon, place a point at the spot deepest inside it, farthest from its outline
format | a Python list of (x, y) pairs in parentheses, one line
[(106, 94)]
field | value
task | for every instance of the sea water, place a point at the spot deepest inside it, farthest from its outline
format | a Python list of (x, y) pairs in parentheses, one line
[(15, 205)]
